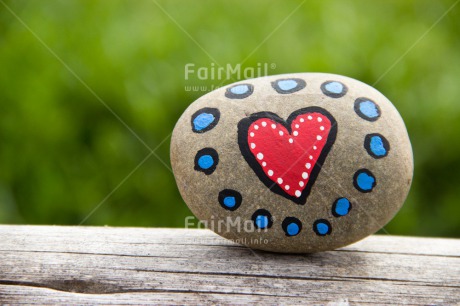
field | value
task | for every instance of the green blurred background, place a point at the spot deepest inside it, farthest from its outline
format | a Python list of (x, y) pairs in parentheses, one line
[(63, 153)]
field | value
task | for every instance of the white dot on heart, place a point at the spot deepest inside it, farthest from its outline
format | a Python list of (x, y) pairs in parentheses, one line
[(270, 172), (308, 165), (295, 133), (281, 133), (264, 124), (290, 140), (297, 126), (321, 128), (253, 145), (287, 187), (319, 137), (273, 126), (260, 156), (264, 164), (301, 184), (310, 117), (256, 127), (297, 193), (251, 134), (305, 175), (314, 148), (310, 157), (320, 119), (280, 180), (302, 120)]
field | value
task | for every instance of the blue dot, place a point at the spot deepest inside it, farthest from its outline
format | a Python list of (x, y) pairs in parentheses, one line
[(342, 207), (230, 199), (261, 221), (291, 226), (334, 87), (367, 109), (292, 229), (205, 119), (287, 84), (364, 180), (202, 121), (205, 161), (322, 228), (239, 89), (377, 146), (230, 202)]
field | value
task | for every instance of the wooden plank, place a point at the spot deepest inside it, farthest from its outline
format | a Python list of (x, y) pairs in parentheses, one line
[(103, 265)]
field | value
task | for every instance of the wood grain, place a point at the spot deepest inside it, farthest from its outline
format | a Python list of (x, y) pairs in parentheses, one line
[(103, 265)]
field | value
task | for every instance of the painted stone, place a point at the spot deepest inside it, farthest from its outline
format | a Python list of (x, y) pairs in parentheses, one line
[(293, 163)]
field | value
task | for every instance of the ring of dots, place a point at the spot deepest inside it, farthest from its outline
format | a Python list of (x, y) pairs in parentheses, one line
[(375, 144)]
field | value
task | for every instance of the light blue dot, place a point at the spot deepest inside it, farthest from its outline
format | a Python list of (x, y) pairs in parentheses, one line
[(205, 161), (202, 121), (262, 221), (229, 201), (334, 87), (369, 109), (292, 229), (377, 146), (287, 84), (322, 228), (342, 207), (365, 181), (239, 89)]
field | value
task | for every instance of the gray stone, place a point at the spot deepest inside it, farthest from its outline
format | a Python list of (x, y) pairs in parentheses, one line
[(293, 163)]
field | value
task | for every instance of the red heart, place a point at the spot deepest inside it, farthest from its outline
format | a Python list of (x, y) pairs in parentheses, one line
[(287, 156)]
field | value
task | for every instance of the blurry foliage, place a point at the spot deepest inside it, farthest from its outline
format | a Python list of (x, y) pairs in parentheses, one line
[(62, 152)]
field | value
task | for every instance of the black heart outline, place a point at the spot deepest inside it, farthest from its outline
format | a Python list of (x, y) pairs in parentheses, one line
[(243, 127)]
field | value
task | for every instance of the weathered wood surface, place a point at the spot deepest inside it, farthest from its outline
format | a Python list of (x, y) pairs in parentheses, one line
[(91, 265)]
